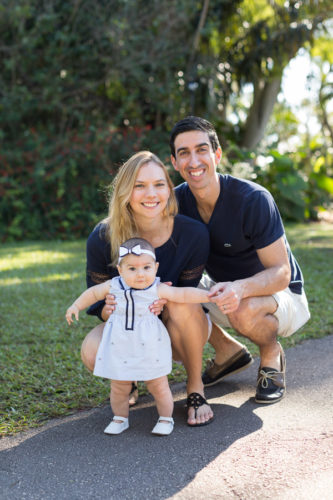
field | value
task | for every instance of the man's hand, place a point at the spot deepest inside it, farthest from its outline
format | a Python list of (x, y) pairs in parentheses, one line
[(226, 296)]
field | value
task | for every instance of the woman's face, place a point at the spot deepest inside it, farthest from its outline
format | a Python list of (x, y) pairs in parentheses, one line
[(150, 192)]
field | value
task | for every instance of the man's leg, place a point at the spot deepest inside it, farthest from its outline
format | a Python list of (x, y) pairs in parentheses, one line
[(188, 329), (230, 355), (224, 344), (254, 320)]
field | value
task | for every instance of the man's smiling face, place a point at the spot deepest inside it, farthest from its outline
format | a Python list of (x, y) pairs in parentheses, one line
[(195, 159)]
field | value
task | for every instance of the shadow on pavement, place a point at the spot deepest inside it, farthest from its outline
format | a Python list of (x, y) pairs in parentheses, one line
[(76, 460)]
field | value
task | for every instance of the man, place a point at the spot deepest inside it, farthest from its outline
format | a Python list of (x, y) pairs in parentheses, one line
[(256, 284)]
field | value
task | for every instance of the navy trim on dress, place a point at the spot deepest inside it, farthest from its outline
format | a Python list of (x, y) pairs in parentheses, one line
[(129, 324), (130, 309)]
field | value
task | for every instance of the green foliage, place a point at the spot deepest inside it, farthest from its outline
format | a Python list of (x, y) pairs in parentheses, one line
[(58, 189), (123, 68), (300, 182), (286, 184), (65, 63)]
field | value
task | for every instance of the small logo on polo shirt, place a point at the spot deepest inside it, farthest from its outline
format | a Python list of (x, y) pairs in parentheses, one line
[(227, 244)]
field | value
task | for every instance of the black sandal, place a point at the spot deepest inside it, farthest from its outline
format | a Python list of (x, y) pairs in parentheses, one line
[(195, 400)]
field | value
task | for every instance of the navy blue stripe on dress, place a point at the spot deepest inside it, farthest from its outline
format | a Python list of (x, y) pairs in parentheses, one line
[(129, 325), (130, 310)]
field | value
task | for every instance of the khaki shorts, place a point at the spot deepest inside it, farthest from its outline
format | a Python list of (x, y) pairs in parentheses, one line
[(292, 311)]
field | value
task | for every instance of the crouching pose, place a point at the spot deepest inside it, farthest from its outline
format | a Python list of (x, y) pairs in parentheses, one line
[(135, 343)]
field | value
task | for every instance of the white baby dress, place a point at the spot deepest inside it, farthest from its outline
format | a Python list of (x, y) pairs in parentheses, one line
[(135, 343)]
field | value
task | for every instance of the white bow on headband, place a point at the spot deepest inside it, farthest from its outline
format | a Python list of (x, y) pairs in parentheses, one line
[(137, 250)]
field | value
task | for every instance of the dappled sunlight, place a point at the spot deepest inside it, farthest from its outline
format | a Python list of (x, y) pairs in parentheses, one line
[(40, 279), (23, 258)]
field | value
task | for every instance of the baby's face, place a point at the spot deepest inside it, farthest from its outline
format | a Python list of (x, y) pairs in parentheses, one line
[(138, 271)]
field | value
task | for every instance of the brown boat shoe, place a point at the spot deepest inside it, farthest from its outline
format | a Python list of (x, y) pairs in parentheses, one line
[(214, 373)]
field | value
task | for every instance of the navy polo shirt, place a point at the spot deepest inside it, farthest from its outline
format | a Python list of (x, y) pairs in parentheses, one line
[(245, 219)]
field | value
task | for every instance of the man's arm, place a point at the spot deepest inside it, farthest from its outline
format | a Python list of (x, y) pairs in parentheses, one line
[(275, 277)]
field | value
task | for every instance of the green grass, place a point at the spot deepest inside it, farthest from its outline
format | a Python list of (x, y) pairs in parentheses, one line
[(41, 374)]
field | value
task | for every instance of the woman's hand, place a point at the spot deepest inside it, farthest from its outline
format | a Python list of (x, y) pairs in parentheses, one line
[(110, 305), (157, 306)]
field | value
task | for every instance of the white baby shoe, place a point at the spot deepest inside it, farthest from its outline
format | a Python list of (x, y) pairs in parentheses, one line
[(164, 426), (117, 427)]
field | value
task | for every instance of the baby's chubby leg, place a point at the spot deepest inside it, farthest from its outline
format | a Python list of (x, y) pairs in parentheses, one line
[(120, 406), (120, 390), (160, 390)]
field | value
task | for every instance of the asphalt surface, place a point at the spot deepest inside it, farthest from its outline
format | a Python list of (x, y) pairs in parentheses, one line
[(250, 451)]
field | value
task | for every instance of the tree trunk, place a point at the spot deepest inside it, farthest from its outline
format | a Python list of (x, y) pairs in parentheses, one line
[(195, 45), (264, 97)]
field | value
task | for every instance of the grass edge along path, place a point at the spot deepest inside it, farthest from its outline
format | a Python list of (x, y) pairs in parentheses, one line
[(41, 374)]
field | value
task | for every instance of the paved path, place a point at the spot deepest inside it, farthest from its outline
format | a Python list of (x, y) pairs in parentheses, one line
[(283, 451)]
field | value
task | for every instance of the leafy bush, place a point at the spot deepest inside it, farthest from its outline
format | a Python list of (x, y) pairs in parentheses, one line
[(300, 182), (58, 188), (286, 184)]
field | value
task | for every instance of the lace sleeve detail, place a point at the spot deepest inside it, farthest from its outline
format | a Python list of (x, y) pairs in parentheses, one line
[(97, 278), (191, 274)]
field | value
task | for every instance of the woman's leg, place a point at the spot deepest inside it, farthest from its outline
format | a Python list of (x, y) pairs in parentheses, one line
[(90, 346), (160, 390), (188, 329)]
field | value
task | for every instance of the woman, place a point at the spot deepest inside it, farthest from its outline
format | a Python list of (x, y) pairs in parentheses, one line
[(143, 204)]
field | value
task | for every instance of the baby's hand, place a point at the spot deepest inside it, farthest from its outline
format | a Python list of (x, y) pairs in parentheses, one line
[(73, 309)]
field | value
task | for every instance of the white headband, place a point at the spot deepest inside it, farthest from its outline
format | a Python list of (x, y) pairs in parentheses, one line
[(137, 250)]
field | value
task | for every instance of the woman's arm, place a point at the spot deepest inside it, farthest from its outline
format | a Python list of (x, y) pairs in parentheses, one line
[(99, 267), (185, 295), (88, 297)]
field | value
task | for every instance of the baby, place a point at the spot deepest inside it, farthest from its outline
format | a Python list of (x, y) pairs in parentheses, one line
[(135, 343)]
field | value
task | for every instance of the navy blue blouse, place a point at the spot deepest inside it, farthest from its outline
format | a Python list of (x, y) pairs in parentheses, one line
[(182, 258)]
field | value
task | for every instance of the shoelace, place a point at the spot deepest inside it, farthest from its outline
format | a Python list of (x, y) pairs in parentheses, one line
[(265, 376), (209, 363)]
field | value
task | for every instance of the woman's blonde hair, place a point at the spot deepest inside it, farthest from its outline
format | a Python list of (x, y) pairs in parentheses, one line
[(121, 221)]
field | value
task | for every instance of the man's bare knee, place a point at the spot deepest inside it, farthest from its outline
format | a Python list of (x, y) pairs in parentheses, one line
[(242, 320), (252, 313)]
